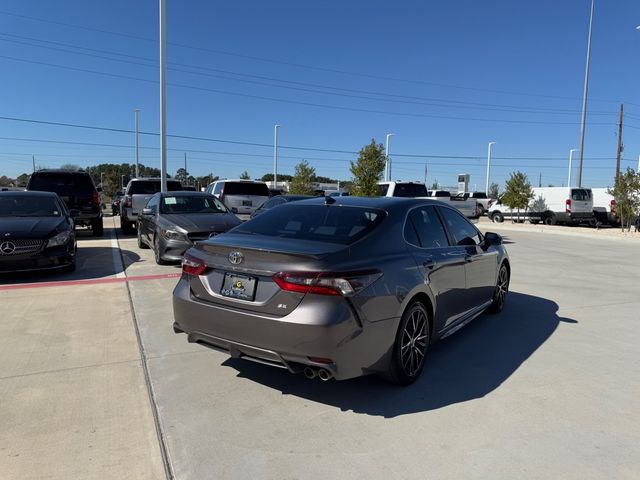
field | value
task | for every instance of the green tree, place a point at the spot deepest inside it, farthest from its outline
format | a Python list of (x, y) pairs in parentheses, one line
[(245, 176), (434, 185), (6, 181), (494, 190), (70, 167), (367, 170), (626, 191), (518, 192), (22, 180), (268, 177), (302, 179), (182, 175)]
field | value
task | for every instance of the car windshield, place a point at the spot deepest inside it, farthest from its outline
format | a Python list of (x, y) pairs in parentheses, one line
[(28, 206), (339, 224), (149, 187), (246, 188), (62, 183), (191, 204)]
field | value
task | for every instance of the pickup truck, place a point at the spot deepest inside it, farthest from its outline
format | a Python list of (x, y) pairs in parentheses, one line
[(136, 196), (484, 202), (469, 208)]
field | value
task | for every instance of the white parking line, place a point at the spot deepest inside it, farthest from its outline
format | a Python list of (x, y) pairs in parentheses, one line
[(115, 251)]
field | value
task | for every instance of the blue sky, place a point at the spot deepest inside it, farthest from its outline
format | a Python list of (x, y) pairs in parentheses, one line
[(445, 77)]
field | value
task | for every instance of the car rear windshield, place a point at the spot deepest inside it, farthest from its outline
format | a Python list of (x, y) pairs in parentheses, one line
[(336, 224), (28, 206), (410, 190), (580, 194), (191, 204), (149, 187), (246, 188), (479, 195), (62, 183)]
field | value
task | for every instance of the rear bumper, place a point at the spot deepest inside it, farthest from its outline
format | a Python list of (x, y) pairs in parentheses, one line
[(318, 327)]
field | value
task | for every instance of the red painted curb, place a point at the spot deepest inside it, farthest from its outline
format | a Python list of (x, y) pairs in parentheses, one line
[(92, 281)]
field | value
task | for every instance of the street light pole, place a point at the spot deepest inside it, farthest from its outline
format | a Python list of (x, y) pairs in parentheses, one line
[(584, 98), (570, 160), (135, 115), (122, 182), (386, 151), (163, 99), (101, 180), (486, 189), (275, 156)]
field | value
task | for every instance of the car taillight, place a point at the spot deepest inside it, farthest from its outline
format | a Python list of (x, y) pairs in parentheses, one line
[(222, 195), (325, 283), (613, 206), (95, 198), (567, 205), (127, 201), (489, 203), (193, 265)]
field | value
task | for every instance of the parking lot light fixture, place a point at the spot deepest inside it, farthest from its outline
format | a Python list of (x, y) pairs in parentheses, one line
[(275, 155)]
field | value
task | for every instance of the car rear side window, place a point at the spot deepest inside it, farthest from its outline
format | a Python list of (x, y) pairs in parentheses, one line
[(424, 229), (246, 188), (580, 194), (338, 224), (463, 232), (62, 183), (146, 187), (383, 189)]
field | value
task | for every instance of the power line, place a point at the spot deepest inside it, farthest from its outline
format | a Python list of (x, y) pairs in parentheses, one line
[(295, 102), (292, 64), (354, 93)]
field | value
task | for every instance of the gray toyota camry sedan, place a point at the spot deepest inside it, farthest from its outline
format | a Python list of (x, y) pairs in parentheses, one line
[(341, 287)]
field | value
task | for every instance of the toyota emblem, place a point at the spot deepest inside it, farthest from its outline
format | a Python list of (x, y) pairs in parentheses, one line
[(236, 257), (7, 248)]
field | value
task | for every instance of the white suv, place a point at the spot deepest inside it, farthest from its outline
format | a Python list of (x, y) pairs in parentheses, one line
[(240, 196)]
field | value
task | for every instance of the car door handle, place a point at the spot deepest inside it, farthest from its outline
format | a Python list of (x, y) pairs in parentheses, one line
[(429, 263)]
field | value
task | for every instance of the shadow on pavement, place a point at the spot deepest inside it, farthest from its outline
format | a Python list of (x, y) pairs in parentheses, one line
[(468, 365)]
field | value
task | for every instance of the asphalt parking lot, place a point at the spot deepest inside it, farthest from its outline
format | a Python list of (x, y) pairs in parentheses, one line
[(95, 384)]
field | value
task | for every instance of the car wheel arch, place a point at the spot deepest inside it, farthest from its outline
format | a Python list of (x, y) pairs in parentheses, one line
[(426, 298)]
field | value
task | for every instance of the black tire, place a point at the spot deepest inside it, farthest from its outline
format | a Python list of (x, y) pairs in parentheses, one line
[(550, 219), (157, 251), (97, 228), (141, 243), (126, 226), (410, 347), (501, 290), (497, 217), (534, 222)]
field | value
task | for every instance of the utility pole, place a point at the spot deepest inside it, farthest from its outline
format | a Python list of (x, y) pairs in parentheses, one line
[(386, 152), (425, 172), (33, 160), (584, 98), (486, 188), (540, 180), (135, 116), (620, 146), (163, 98), (275, 156), (186, 175)]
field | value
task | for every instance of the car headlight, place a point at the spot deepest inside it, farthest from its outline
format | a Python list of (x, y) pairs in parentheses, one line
[(173, 234), (59, 239)]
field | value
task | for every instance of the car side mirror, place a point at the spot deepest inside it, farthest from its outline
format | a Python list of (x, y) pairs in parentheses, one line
[(147, 211), (491, 238)]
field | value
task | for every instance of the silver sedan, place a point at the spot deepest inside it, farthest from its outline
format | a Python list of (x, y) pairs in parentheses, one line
[(341, 287)]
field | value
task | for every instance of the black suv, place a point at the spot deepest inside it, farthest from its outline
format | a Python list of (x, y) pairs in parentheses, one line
[(77, 191)]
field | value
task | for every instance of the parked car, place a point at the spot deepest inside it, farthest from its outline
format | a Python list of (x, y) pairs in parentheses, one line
[(172, 222), (499, 212), (341, 287), (278, 200), (37, 232), (469, 208), (604, 207), (240, 196), (115, 203), (568, 205), (136, 196), (481, 198), (77, 191)]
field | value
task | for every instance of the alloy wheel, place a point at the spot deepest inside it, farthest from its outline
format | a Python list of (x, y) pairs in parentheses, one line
[(413, 343), (502, 288)]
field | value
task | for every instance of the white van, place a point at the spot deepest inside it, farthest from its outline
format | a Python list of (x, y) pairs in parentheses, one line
[(240, 196), (498, 212), (569, 205), (604, 207)]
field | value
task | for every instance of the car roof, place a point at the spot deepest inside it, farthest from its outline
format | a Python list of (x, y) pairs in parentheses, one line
[(152, 179), (294, 196), (383, 203), (28, 193), (239, 180), (184, 193), (59, 171)]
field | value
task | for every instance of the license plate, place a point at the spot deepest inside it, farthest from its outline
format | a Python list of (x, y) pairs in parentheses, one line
[(239, 286), (247, 203)]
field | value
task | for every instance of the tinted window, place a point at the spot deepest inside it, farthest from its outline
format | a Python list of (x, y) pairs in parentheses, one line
[(62, 183), (29, 206), (382, 190), (410, 190), (153, 203), (479, 195), (428, 228), (441, 193), (272, 203), (217, 188), (341, 224), (149, 187), (191, 204), (463, 232), (246, 188), (580, 194)]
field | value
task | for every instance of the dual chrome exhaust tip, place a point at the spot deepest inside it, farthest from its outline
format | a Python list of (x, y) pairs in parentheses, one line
[(322, 373)]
